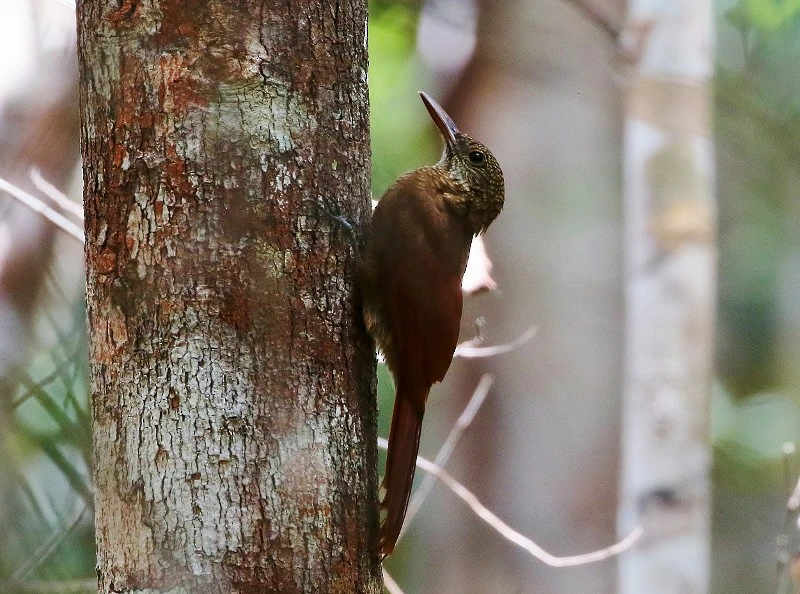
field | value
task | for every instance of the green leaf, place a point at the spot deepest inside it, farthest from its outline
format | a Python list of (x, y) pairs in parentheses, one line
[(739, 17), (772, 14), (76, 479)]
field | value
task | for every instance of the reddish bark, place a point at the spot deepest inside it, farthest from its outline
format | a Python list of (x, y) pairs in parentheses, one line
[(233, 391)]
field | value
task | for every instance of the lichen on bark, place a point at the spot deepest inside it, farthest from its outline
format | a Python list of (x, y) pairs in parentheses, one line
[(232, 389)]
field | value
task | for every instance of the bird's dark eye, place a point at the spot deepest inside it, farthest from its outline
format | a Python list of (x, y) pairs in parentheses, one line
[(477, 157)]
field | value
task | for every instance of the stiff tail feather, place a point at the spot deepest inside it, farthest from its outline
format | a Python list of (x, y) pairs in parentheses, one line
[(401, 462)]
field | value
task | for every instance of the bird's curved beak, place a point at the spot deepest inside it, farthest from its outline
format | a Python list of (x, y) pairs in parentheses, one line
[(443, 121)]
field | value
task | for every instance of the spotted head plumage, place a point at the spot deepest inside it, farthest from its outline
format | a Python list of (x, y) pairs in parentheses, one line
[(472, 166)]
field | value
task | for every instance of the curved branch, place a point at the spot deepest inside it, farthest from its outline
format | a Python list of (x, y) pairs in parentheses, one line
[(468, 350), (40, 207), (512, 535)]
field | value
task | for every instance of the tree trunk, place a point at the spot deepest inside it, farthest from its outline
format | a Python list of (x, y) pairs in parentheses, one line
[(232, 390), (542, 453), (670, 265)]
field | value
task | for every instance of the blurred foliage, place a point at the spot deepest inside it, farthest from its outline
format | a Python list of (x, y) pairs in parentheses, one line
[(46, 495), (758, 136), (752, 458), (762, 83), (402, 138), (756, 405), (767, 15)]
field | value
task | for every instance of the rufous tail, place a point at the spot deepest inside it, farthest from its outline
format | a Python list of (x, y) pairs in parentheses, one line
[(401, 461)]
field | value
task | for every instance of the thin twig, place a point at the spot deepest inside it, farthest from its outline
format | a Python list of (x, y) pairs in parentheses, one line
[(55, 194), (49, 546), (40, 207), (467, 349), (464, 421), (59, 372), (512, 535), (390, 584)]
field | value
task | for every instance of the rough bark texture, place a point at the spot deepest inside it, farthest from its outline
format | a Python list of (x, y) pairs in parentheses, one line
[(670, 262), (232, 390)]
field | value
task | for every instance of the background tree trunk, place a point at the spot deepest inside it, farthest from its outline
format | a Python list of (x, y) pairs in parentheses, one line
[(548, 105), (232, 392), (542, 453), (670, 262)]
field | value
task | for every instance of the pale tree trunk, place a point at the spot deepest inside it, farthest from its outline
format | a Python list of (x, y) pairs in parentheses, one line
[(670, 285), (542, 453), (232, 390)]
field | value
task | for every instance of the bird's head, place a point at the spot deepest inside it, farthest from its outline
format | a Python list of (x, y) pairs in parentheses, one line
[(472, 166)]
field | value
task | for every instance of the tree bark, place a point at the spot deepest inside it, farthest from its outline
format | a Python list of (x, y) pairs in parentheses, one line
[(670, 262), (232, 389)]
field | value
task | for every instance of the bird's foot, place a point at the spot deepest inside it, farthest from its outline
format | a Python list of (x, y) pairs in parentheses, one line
[(340, 221)]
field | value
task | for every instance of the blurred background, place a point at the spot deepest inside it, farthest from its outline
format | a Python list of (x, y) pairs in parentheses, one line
[(542, 83)]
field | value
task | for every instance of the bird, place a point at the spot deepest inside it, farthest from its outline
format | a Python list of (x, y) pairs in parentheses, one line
[(415, 254)]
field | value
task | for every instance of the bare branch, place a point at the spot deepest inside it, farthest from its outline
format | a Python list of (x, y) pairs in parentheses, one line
[(390, 584), (634, 40), (40, 207), (55, 194), (512, 535), (464, 421), (468, 350), (35, 387), (598, 16), (49, 546)]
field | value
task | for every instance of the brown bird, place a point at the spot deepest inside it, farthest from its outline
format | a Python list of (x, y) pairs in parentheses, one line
[(410, 278)]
